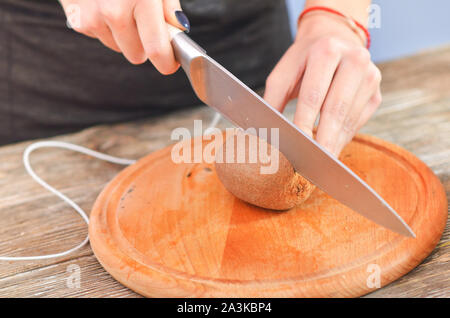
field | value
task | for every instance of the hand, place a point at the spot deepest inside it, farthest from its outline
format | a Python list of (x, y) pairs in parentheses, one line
[(331, 73), (135, 28)]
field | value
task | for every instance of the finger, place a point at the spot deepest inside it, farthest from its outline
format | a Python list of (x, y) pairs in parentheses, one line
[(367, 90), (283, 82), (320, 69), (104, 34), (120, 20), (370, 109), (89, 23), (340, 98), (172, 8), (367, 112), (154, 35)]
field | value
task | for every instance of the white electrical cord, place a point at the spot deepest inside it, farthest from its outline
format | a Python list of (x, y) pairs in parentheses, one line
[(213, 124), (78, 209), (65, 145)]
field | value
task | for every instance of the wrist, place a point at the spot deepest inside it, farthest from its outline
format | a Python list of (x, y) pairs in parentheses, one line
[(321, 24)]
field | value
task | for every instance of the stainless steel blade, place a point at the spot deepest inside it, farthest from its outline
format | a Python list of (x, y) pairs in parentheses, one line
[(221, 90)]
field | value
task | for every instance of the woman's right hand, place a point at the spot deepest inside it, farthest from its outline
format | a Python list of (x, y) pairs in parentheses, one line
[(136, 28)]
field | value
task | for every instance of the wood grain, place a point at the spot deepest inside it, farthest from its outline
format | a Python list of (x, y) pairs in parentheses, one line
[(415, 114), (173, 230)]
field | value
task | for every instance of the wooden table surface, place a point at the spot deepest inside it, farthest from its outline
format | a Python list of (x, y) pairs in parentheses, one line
[(415, 114)]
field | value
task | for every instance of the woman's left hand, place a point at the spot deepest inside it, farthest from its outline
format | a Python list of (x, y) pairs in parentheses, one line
[(330, 71)]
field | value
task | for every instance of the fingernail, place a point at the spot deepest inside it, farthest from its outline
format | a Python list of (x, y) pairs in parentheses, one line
[(184, 21)]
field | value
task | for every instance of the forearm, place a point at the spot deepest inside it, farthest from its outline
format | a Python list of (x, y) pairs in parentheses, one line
[(357, 9)]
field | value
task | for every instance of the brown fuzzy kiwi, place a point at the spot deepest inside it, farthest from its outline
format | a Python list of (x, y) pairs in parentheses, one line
[(281, 190)]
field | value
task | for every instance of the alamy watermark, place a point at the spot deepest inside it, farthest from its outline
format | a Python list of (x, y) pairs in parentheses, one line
[(73, 14), (374, 278), (74, 278), (374, 20), (242, 148)]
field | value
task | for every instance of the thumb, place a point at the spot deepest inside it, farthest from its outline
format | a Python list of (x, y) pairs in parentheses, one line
[(175, 16)]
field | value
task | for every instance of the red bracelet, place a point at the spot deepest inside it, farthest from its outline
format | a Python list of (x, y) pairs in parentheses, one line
[(354, 25)]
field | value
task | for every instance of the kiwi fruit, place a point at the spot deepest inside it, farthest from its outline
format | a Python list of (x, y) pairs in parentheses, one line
[(282, 190)]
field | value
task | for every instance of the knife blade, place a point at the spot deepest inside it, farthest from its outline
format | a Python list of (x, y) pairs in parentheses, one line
[(221, 90)]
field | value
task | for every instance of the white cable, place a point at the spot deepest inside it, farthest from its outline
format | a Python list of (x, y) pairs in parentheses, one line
[(77, 208), (65, 145), (213, 124)]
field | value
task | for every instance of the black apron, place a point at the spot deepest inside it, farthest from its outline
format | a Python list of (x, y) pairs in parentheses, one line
[(54, 80)]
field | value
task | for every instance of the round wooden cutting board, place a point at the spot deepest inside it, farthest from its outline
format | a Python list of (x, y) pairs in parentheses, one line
[(173, 230)]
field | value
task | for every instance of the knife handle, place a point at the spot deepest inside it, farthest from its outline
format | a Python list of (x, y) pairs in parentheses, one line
[(185, 49)]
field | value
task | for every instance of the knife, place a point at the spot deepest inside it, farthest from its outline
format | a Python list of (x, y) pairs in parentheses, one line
[(222, 91)]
